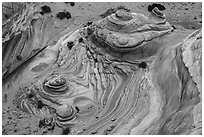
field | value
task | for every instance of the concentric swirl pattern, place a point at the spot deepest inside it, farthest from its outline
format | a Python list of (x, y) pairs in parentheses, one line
[(125, 74)]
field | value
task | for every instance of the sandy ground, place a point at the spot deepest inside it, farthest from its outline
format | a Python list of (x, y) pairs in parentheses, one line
[(187, 14)]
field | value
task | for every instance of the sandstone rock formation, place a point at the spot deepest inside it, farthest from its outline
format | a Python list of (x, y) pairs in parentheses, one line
[(90, 80)]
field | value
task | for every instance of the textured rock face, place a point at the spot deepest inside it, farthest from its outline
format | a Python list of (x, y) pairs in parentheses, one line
[(131, 34), (125, 74)]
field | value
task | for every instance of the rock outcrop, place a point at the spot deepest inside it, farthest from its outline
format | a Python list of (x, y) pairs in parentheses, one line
[(124, 74)]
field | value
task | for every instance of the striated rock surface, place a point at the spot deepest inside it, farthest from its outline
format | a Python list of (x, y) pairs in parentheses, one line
[(125, 74)]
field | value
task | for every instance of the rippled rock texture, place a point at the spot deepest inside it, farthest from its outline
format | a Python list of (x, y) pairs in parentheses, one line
[(127, 74)]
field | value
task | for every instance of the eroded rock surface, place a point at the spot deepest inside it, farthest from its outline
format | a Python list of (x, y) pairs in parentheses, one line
[(127, 73)]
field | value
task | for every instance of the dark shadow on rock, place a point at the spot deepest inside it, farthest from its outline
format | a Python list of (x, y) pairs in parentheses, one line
[(159, 6), (45, 9), (62, 15)]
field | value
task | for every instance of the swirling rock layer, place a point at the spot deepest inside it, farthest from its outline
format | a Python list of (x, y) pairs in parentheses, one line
[(125, 74), (131, 34)]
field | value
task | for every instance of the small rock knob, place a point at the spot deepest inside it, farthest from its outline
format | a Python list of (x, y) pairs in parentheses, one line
[(157, 16), (158, 13), (123, 15), (65, 111)]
